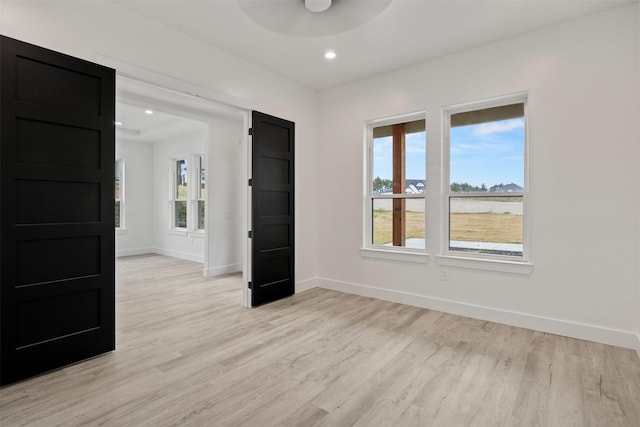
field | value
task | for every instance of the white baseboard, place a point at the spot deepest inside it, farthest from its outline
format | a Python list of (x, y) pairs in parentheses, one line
[(219, 270), (615, 337), (305, 285), (133, 252), (181, 255)]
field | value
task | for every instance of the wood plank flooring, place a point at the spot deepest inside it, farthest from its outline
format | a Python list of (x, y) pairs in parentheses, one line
[(189, 354)]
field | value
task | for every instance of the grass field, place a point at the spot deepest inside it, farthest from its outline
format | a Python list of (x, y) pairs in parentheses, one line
[(469, 227), (383, 225), (486, 227)]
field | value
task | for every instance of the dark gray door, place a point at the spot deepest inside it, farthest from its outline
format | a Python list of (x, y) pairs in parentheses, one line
[(272, 209), (56, 210)]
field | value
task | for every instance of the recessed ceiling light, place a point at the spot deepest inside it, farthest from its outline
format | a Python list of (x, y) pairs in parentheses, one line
[(148, 111), (330, 54), (118, 123)]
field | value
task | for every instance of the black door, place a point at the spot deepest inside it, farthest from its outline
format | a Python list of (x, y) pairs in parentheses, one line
[(272, 268), (56, 210)]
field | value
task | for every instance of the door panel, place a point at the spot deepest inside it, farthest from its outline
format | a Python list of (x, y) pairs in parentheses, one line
[(272, 209), (57, 291)]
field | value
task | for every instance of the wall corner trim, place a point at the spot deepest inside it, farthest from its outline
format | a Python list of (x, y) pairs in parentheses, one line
[(133, 252), (599, 334), (305, 285), (219, 270)]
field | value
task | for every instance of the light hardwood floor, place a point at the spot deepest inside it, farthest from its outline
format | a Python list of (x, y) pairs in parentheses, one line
[(189, 354)]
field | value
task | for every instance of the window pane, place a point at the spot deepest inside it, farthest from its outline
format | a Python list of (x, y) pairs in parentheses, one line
[(201, 215), (181, 180), (487, 225), (411, 167), (487, 150), (415, 163), (202, 192), (117, 217), (412, 223), (382, 165), (180, 214)]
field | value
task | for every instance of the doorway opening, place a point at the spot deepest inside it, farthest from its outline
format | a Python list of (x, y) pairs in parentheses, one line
[(182, 170)]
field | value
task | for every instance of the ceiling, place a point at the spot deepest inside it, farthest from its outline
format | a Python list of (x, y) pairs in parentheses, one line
[(133, 124), (284, 37)]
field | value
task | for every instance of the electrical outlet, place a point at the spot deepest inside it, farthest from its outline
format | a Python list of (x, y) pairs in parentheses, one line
[(444, 274)]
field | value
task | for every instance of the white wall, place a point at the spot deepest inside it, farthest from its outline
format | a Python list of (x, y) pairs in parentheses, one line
[(637, 308), (582, 81), (106, 33), (225, 192), (137, 237), (149, 185), (166, 240)]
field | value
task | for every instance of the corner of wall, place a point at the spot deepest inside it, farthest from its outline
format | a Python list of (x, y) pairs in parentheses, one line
[(220, 270), (305, 285)]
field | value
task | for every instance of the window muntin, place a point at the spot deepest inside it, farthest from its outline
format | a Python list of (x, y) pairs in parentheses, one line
[(119, 194), (180, 194), (487, 173), (396, 185)]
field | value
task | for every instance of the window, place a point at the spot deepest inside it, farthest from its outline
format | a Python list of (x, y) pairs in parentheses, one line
[(201, 192), (486, 194), (180, 194), (396, 184), (188, 211), (119, 194)]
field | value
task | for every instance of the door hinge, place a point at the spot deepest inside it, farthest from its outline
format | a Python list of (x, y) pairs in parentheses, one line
[(250, 285), (250, 182), (250, 234), (250, 131)]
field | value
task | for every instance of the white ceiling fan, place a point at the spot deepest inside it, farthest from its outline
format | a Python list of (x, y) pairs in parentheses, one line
[(312, 18)]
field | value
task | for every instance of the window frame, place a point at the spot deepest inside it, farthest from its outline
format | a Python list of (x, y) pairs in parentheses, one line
[(448, 257), (200, 159), (174, 194), (119, 163), (369, 249)]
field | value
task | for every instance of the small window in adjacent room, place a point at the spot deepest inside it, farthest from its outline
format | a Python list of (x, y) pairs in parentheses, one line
[(180, 194), (201, 192), (396, 184), (119, 194), (486, 172)]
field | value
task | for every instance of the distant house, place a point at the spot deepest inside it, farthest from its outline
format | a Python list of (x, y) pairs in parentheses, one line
[(508, 188), (414, 186)]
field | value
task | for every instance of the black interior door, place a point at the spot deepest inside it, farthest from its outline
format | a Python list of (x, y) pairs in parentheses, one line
[(56, 210), (272, 213)]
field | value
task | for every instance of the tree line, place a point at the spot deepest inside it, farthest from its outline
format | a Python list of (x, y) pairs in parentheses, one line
[(467, 188), (380, 184)]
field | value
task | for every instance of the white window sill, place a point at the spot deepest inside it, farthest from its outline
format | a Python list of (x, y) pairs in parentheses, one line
[(515, 267), (399, 255), (197, 233), (121, 231)]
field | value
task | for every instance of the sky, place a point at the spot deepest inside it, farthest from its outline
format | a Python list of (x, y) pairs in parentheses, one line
[(487, 153), (415, 149)]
